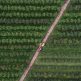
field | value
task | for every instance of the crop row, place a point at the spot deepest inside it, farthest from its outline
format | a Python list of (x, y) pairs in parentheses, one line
[(31, 2), (25, 28), (56, 67), (28, 8), (17, 21), (27, 15)]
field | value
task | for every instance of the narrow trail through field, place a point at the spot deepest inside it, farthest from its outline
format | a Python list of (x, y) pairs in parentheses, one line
[(51, 28)]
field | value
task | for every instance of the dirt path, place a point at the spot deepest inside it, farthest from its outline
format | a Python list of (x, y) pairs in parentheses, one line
[(64, 7)]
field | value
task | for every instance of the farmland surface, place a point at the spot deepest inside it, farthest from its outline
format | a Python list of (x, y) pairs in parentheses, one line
[(23, 24)]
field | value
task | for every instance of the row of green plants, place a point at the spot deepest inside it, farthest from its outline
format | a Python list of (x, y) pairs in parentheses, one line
[(25, 28), (26, 15), (32, 2), (28, 8)]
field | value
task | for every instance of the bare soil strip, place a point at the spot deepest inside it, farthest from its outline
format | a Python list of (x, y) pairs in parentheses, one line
[(52, 27)]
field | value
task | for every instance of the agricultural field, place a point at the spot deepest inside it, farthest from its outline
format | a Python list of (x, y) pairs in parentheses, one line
[(23, 24), (60, 59)]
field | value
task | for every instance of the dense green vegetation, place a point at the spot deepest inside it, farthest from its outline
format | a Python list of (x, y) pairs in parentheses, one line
[(60, 59), (23, 24)]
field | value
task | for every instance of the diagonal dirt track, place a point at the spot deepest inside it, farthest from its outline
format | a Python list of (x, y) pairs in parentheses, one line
[(64, 7)]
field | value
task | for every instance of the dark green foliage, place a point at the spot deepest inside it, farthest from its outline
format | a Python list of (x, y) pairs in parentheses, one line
[(23, 24), (60, 59)]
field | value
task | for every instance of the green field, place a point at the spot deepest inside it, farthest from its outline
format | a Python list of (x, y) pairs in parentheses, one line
[(23, 24)]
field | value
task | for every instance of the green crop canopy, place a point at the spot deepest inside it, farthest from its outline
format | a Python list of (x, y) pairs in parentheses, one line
[(23, 25)]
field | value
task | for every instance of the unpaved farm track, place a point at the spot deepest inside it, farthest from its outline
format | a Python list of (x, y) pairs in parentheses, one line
[(51, 28)]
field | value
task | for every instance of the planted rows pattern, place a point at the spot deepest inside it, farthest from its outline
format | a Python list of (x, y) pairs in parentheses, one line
[(60, 59), (23, 24)]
